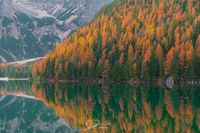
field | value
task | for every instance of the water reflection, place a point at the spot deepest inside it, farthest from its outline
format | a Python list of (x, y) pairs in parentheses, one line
[(21, 112), (123, 108), (15, 87)]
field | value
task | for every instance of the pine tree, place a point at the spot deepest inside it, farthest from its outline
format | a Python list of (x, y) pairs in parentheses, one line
[(70, 74), (160, 58), (175, 65), (153, 66)]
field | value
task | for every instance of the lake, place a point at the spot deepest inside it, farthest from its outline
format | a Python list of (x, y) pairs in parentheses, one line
[(118, 108)]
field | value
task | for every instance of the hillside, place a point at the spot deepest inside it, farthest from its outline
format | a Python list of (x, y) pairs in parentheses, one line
[(30, 28), (129, 39)]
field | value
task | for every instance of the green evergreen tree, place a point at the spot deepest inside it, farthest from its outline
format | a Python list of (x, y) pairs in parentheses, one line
[(70, 71), (175, 66), (153, 66)]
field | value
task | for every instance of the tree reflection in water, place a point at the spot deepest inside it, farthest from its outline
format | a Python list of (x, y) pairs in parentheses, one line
[(124, 108)]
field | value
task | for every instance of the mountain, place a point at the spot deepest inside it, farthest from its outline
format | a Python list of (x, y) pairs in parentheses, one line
[(19, 114), (130, 39), (29, 28)]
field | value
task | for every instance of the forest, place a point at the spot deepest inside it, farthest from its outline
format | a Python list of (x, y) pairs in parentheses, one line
[(15, 70), (128, 39)]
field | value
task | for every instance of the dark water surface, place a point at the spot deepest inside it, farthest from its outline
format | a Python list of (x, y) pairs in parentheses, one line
[(119, 108)]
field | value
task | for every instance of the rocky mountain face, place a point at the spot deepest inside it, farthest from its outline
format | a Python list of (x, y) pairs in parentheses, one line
[(30, 28)]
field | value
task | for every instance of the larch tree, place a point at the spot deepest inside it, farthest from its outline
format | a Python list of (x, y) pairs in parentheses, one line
[(130, 53), (145, 63), (168, 61), (121, 58)]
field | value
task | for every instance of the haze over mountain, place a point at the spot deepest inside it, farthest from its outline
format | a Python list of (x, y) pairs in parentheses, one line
[(29, 28)]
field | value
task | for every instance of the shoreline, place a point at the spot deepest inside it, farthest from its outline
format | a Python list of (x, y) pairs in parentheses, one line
[(159, 81), (14, 79)]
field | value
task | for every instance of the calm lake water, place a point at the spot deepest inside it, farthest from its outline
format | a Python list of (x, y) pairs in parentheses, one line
[(119, 108)]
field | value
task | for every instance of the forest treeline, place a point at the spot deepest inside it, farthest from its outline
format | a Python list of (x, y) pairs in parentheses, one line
[(15, 70), (130, 39)]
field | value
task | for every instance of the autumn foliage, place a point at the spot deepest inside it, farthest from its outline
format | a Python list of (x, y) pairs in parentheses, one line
[(130, 38)]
